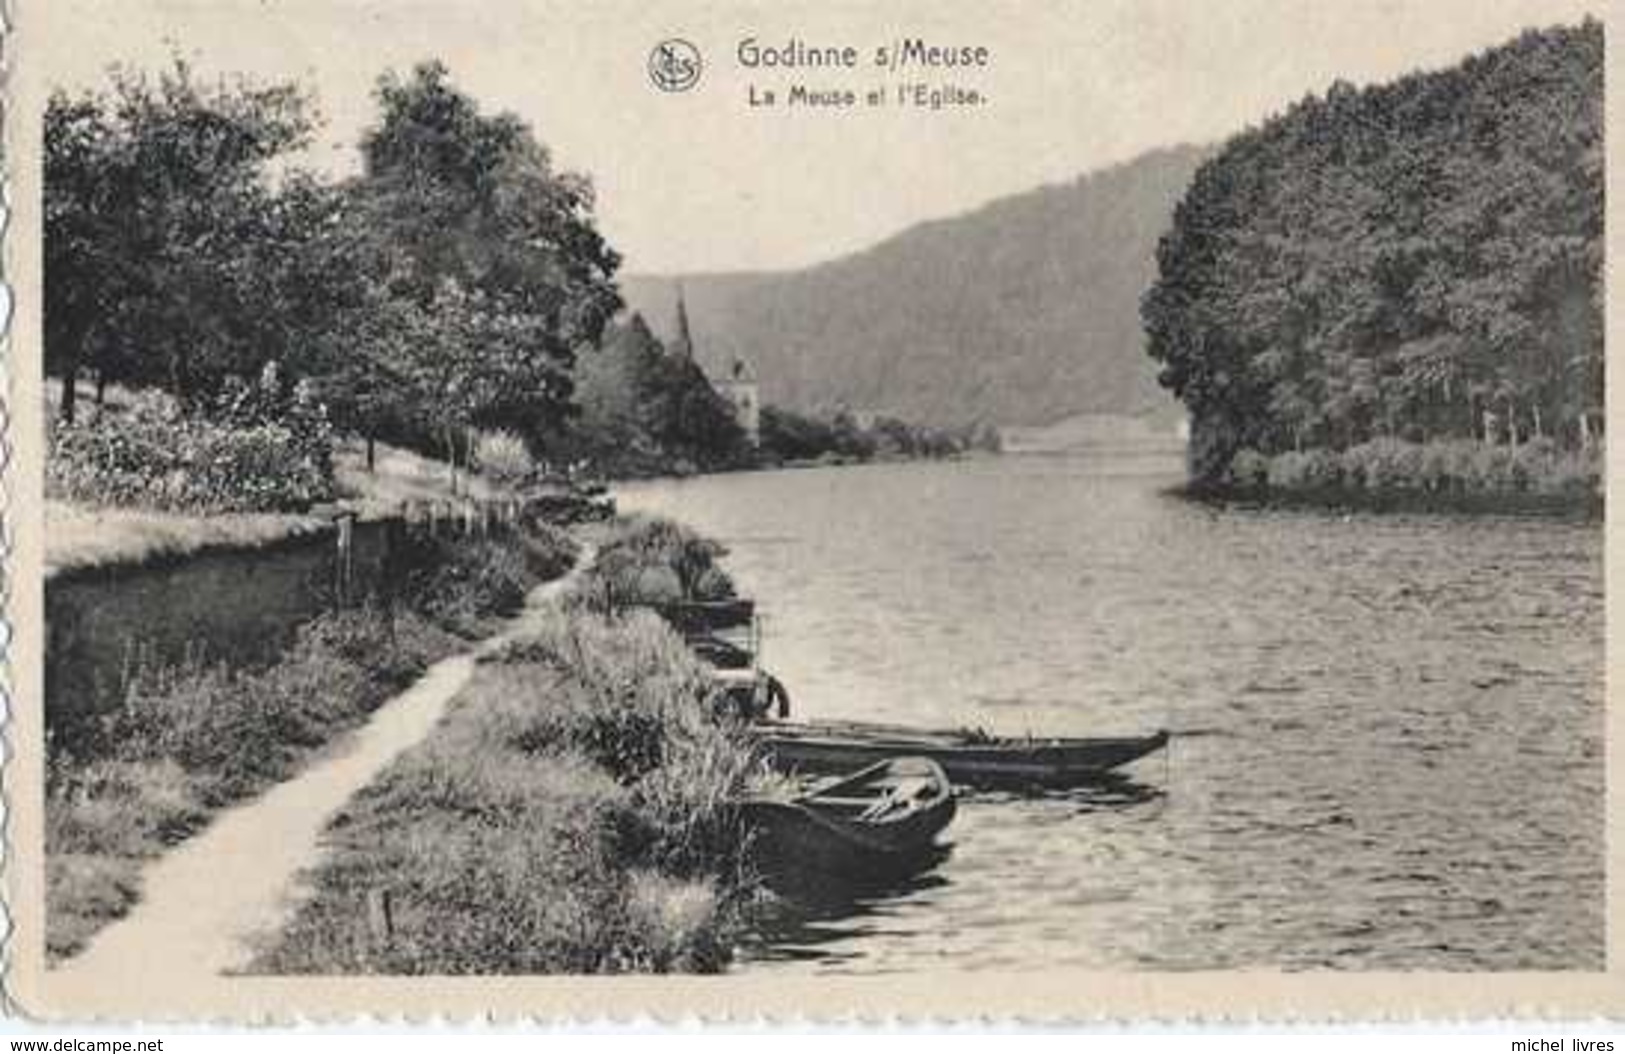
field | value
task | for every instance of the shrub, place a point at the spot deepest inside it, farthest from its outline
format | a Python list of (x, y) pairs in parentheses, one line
[(152, 455), (462, 583), (503, 456), (549, 552), (1249, 468), (640, 705), (1574, 473), (270, 401), (676, 924), (651, 560), (83, 893), (1289, 471), (1435, 473), (1437, 467), (1383, 464)]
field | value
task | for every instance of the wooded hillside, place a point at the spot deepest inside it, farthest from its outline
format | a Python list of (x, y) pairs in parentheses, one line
[(1023, 311)]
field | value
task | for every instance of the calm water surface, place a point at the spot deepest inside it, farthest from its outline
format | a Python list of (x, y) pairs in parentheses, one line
[(1388, 746)]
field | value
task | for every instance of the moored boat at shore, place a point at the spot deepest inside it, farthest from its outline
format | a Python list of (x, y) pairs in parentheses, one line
[(970, 758), (878, 823), (725, 636)]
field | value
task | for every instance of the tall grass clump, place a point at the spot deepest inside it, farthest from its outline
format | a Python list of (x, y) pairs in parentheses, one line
[(652, 560), (463, 584), (570, 814)]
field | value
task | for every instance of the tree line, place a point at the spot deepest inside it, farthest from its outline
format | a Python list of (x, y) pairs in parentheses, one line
[(448, 285), (646, 408), (1418, 261), (457, 282)]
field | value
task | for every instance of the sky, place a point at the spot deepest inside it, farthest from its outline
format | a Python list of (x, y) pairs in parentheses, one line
[(703, 181)]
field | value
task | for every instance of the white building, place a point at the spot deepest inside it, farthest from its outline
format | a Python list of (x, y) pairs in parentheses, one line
[(741, 391)]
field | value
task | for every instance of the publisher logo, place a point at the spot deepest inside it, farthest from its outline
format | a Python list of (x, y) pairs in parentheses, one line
[(674, 65)]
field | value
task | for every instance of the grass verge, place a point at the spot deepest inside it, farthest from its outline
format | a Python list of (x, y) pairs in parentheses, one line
[(569, 815)]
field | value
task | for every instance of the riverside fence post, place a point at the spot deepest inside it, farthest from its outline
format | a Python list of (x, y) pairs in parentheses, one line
[(380, 915), (346, 556)]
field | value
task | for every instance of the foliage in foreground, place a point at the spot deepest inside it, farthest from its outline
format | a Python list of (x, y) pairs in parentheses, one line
[(568, 816), (194, 738)]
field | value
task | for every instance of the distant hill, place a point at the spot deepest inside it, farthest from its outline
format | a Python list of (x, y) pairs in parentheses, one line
[(1097, 432), (1023, 311)]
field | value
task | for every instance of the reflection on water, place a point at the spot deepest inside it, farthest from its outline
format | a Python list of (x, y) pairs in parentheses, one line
[(1388, 729), (816, 928)]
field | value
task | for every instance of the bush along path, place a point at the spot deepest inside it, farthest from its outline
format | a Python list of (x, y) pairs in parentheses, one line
[(202, 899)]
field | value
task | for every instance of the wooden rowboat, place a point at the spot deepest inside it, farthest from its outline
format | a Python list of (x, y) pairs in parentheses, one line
[(971, 759), (878, 823)]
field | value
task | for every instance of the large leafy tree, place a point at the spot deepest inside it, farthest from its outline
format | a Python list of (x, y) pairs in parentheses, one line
[(494, 256), (156, 193)]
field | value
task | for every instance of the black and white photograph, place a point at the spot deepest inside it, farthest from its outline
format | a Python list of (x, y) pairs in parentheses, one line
[(782, 495)]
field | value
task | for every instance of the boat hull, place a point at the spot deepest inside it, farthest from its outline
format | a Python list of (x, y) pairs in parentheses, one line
[(793, 845), (968, 761), (828, 838)]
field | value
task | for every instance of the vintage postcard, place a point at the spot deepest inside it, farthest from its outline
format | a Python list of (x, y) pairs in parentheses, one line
[(808, 511)]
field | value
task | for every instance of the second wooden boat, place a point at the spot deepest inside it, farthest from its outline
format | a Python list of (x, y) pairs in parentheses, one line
[(970, 758)]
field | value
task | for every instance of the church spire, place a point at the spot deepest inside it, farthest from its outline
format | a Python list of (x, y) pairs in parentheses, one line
[(684, 344)]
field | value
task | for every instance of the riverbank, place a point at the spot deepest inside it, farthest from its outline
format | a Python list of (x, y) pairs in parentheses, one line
[(193, 738), (568, 814), (1511, 503), (1533, 478), (683, 470)]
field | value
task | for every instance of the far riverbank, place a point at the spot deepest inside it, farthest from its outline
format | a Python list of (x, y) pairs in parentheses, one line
[(1389, 475)]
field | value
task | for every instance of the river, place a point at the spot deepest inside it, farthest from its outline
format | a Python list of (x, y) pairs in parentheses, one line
[(1388, 728)]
